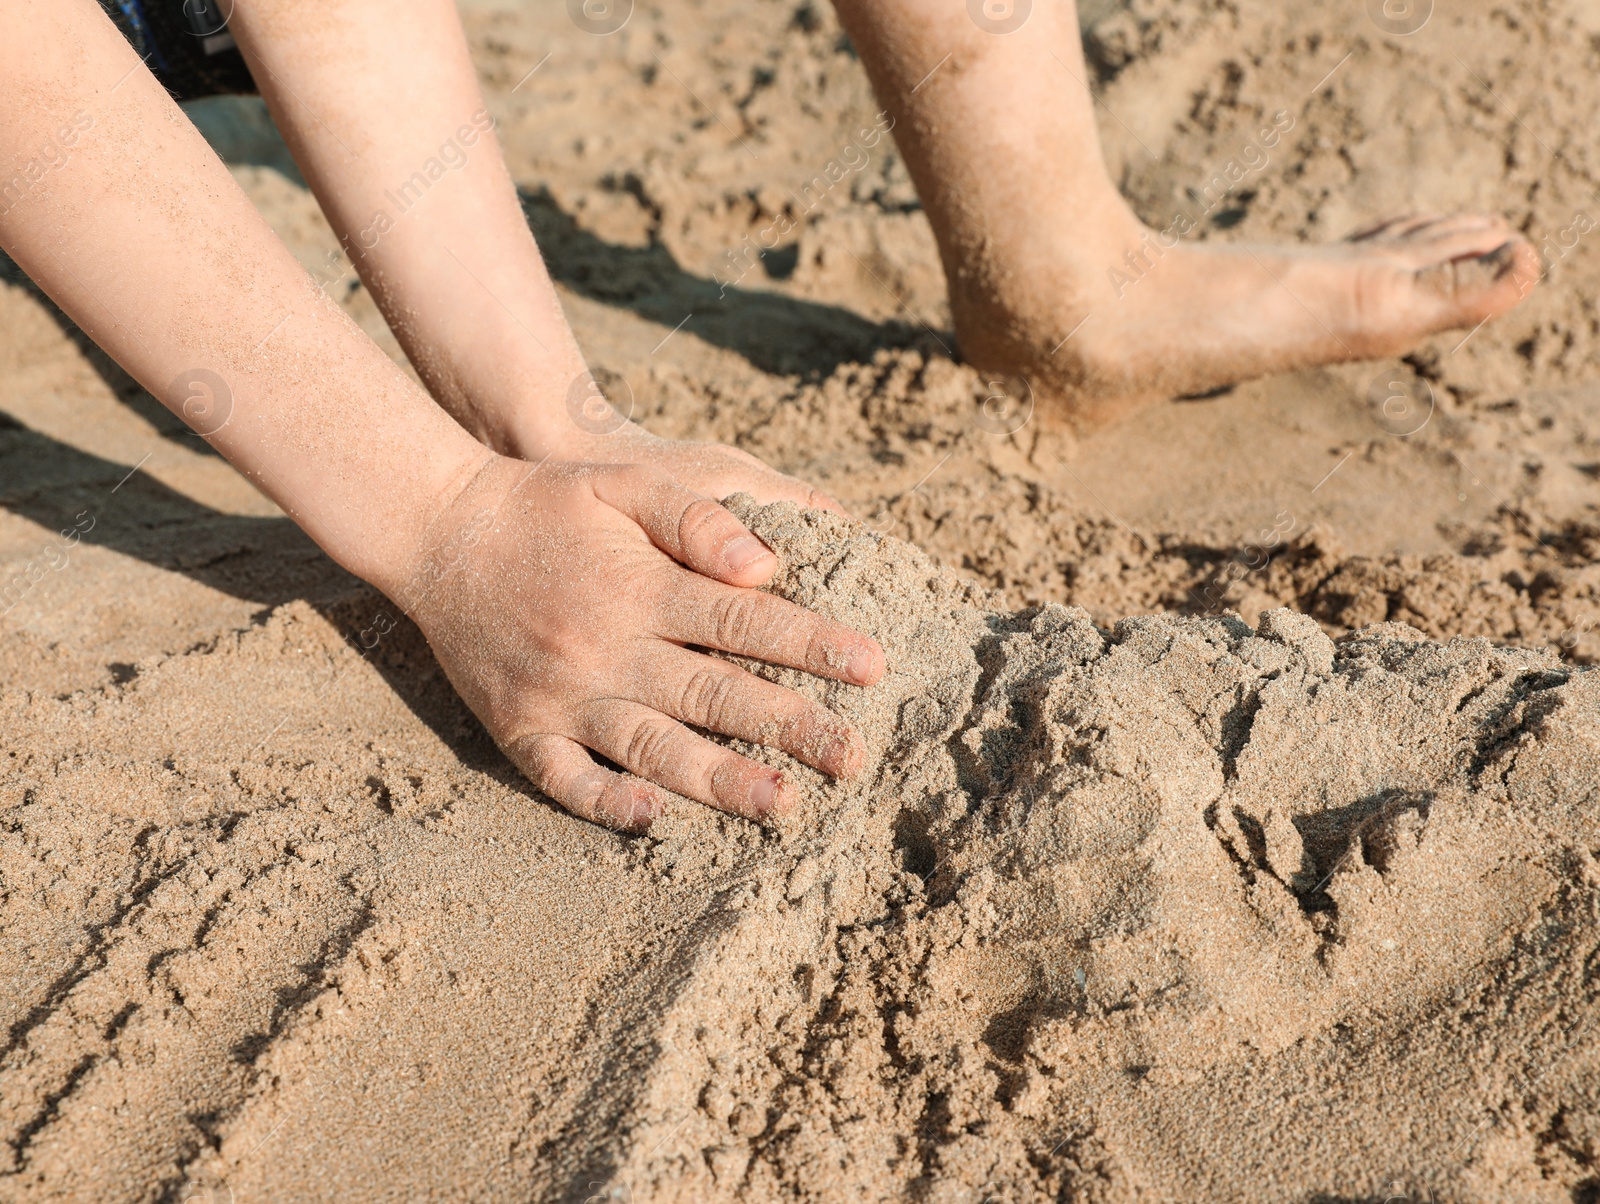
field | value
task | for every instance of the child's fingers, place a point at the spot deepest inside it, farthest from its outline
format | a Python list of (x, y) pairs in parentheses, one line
[(723, 698), (662, 750), (815, 499), (562, 769), (784, 488), (770, 629), (693, 530)]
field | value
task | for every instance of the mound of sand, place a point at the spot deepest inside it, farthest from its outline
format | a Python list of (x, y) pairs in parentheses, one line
[(1114, 912)]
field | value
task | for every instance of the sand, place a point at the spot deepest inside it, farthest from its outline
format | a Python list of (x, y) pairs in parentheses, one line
[(1230, 829)]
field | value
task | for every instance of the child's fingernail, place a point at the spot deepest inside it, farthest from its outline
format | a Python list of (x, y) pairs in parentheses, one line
[(849, 753), (743, 552), (767, 795), (648, 805), (864, 663)]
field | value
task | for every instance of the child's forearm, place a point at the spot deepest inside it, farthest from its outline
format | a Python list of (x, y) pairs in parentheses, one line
[(382, 109), (139, 233)]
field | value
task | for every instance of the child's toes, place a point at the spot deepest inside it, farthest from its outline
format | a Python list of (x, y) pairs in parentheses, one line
[(1470, 288)]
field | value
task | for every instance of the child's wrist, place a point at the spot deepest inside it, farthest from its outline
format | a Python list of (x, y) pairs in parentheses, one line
[(460, 520), (412, 520)]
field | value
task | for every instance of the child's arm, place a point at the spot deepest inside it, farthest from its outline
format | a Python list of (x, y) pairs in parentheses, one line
[(551, 594), (381, 107)]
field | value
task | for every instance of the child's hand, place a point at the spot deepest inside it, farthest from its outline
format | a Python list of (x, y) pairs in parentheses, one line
[(560, 599), (713, 469)]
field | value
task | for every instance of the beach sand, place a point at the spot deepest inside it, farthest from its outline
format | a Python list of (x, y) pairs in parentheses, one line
[(1232, 818)]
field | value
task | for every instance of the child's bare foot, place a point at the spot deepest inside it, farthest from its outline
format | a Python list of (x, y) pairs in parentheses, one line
[(1158, 317), (1053, 279)]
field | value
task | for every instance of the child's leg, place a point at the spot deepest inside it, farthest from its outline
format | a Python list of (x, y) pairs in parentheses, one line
[(998, 132)]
